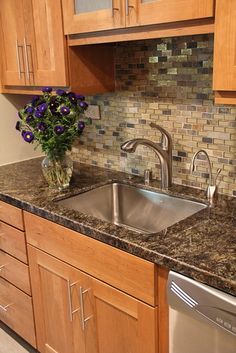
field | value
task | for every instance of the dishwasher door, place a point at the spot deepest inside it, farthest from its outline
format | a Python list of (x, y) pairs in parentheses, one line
[(201, 318)]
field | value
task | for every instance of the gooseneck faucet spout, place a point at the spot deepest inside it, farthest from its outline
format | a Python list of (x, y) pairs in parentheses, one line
[(162, 150)]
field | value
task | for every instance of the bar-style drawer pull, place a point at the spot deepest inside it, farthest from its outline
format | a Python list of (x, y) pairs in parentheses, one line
[(71, 311), (5, 307), (82, 311)]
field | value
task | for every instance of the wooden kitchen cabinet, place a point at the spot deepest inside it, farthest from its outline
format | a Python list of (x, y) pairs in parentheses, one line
[(33, 45), (16, 309), (224, 66), (81, 16), (122, 296), (78, 313)]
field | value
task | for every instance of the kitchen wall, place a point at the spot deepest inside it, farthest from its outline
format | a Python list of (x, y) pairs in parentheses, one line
[(12, 147), (167, 81)]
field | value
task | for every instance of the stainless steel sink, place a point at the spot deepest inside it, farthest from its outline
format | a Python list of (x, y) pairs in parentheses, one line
[(138, 209)]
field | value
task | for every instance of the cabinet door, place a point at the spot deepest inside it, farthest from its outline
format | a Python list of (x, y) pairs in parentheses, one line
[(114, 322), (224, 76), (56, 300), (12, 35), (81, 16), (45, 45), (163, 11)]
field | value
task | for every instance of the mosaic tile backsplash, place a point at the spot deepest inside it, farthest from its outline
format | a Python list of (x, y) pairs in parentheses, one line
[(168, 82)]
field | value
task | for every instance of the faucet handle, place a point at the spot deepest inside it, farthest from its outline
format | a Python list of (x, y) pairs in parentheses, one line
[(166, 140)]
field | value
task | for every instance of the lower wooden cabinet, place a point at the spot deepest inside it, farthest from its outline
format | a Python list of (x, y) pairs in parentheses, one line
[(76, 313)]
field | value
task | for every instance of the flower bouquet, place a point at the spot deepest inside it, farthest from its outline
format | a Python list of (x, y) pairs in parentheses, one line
[(54, 121)]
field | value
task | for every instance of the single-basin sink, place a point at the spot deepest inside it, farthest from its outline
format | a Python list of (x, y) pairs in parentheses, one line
[(136, 208)]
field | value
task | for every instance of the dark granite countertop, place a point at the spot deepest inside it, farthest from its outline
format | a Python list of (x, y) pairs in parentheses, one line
[(202, 246)]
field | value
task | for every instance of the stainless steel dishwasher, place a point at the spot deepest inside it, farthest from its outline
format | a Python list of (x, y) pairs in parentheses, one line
[(201, 318)]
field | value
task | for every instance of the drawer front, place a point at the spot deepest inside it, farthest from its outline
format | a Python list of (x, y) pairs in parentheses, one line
[(12, 241), (16, 311), (11, 215), (121, 270), (15, 272)]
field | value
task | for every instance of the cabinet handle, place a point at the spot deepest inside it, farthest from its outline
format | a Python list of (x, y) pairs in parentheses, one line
[(4, 308), (127, 7), (27, 61), (114, 9), (83, 319), (71, 311), (18, 59)]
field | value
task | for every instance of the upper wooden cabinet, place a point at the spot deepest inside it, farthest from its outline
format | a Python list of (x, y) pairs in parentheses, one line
[(224, 75), (81, 16), (33, 45)]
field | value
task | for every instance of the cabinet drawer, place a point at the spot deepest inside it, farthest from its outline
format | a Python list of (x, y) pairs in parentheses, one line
[(15, 272), (16, 311), (11, 215), (12, 241), (124, 271)]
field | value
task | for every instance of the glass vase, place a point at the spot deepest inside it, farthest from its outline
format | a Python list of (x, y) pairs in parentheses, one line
[(57, 171)]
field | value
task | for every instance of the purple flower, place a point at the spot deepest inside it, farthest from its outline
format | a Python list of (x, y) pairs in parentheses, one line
[(29, 119), (42, 126), (81, 125), (65, 110), (28, 136), (38, 114), (47, 89), (53, 104), (59, 129), (29, 110), (80, 97), (60, 92), (72, 97), (83, 105), (35, 101), (42, 108), (18, 123)]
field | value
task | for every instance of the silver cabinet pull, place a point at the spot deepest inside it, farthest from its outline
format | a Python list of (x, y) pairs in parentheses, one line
[(71, 311), (83, 319), (20, 71), (2, 267), (114, 9), (127, 7), (5, 307), (28, 70)]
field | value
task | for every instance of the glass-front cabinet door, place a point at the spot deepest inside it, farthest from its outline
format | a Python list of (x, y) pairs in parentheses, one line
[(163, 11), (81, 16)]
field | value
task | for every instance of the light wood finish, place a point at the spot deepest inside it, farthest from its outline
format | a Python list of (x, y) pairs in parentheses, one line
[(92, 68), (163, 11), (94, 20), (11, 215), (49, 44), (150, 32), (224, 66), (19, 314), (124, 271), (12, 241), (12, 51), (15, 271), (224, 97), (163, 306), (118, 322)]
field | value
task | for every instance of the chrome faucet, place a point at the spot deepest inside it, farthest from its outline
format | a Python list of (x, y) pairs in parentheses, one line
[(212, 187), (162, 150)]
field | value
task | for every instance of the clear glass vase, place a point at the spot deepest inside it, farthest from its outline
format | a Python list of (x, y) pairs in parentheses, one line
[(57, 171)]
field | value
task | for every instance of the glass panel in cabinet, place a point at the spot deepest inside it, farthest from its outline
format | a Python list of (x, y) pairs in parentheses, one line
[(82, 6)]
